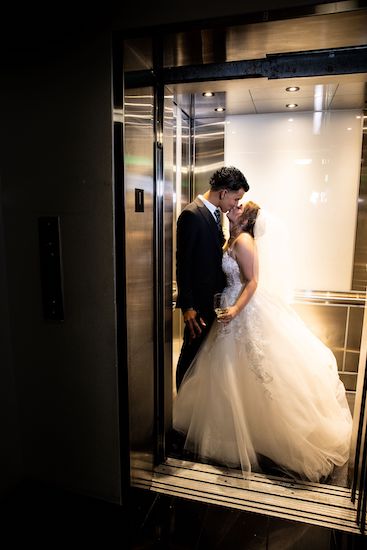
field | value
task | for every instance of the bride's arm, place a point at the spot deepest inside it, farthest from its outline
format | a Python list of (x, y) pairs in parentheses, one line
[(245, 252)]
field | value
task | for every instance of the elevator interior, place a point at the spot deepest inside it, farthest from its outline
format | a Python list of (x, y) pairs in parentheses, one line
[(333, 307), (174, 138)]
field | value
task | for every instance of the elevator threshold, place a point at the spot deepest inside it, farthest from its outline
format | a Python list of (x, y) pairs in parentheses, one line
[(312, 503)]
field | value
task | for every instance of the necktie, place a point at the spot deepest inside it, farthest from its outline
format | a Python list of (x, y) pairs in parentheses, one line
[(217, 217), (219, 225)]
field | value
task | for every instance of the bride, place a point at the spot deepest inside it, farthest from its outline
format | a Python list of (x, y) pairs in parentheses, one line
[(263, 386)]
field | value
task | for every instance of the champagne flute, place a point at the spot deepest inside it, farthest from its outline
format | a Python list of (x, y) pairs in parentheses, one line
[(220, 307)]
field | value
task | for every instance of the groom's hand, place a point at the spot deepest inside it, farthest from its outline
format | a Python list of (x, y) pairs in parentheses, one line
[(193, 323)]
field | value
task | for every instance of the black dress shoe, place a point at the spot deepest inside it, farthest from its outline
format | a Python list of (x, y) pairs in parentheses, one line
[(175, 444)]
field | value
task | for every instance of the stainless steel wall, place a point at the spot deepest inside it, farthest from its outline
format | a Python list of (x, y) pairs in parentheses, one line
[(139, 238), (164, 368), (360, 253), (338, 323), (148, 115)]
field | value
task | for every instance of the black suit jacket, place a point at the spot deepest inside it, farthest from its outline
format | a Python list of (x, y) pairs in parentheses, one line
[(199, 258)]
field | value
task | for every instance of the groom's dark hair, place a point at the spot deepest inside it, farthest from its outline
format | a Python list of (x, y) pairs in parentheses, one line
[(230, 178)]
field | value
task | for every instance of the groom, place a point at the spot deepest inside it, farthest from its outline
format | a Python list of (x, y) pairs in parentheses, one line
[(199, 258)]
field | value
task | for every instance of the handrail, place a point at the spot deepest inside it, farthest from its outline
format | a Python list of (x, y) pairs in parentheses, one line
[(352, 297), (355, 298)]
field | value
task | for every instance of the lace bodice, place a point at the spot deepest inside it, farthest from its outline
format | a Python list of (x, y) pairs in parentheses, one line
[(235, 284), (233, 275), (231, 269), (246, 323)]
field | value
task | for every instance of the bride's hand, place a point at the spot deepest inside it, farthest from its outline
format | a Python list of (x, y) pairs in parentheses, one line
[(230, 314)]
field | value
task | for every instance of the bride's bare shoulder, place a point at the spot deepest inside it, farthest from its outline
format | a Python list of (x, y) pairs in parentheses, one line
[(244, 240)]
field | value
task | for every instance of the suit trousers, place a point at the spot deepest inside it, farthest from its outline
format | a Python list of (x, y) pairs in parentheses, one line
[(190, 348)]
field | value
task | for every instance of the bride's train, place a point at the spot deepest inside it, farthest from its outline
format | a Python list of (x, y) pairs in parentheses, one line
[(269, 389)]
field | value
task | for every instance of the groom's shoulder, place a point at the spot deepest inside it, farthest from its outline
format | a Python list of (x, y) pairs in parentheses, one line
[(191, 208)]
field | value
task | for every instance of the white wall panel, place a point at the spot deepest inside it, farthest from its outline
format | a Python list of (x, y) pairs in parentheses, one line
[(305, 169)]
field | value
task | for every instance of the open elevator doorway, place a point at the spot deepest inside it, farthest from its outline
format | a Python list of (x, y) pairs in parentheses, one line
[(303, 164), (326, 505)]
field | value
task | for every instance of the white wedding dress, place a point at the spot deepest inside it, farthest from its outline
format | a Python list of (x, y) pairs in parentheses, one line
[(268, 388)]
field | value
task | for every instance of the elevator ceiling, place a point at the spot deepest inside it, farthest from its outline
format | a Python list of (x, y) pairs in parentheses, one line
[(260, 95)]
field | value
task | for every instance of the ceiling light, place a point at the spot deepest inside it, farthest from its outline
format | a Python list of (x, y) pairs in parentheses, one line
[(292, 89), (219, 109), (291, 105), (208, 94)]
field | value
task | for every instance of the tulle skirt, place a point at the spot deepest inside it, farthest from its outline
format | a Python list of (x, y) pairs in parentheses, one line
[(269, 387)]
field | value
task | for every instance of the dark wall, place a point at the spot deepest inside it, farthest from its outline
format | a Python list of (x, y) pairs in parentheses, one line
[(10, 457), (56, 143)]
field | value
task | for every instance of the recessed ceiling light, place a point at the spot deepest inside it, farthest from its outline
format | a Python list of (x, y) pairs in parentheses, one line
[(219, 109), (291, 105), (292, 89), (208, 94)]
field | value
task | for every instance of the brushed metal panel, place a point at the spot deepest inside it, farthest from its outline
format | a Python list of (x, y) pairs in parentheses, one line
[(139, 166), (138, 54), (256, 40), (351, 361), (355, 328), (327, 322), (316, 32), (349, 380), (166, 384), (360, 252)]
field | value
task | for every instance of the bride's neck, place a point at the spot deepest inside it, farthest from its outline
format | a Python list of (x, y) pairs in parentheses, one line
[(234, 231)]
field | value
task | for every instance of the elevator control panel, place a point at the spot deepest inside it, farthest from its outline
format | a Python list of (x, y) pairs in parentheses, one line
[(51, 268), (139, 200)]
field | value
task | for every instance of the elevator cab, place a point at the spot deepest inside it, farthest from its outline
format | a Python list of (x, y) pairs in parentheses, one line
[(283, 98)]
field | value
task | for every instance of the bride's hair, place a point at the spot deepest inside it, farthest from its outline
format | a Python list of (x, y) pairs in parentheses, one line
[(248, 218)]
